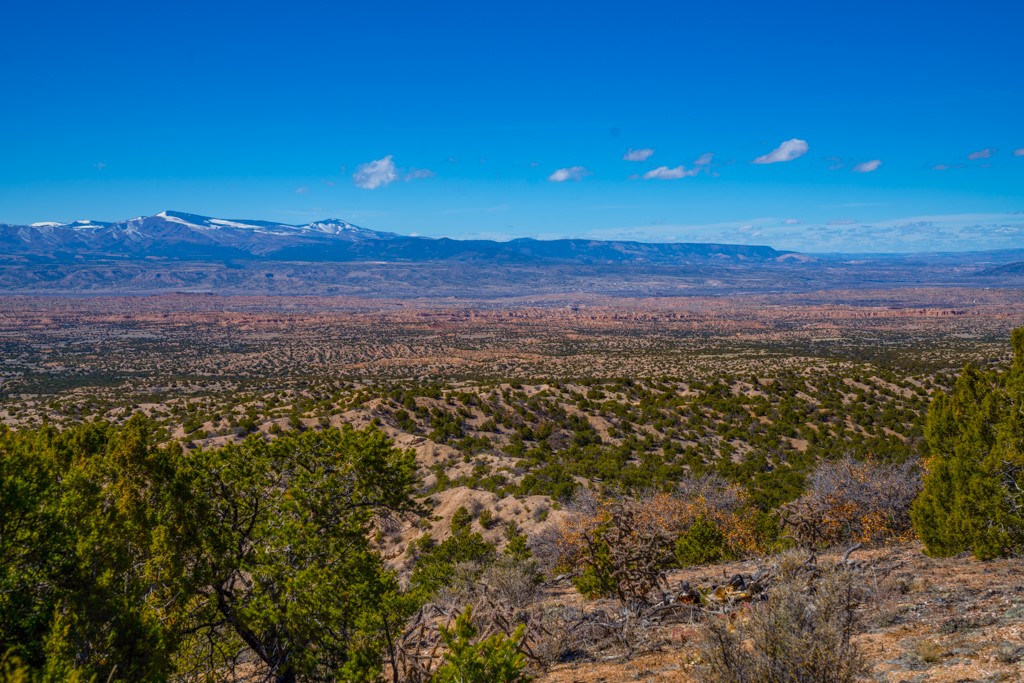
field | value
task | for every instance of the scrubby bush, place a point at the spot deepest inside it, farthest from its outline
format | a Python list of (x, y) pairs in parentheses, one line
[(626, 546), (854, 501), (801, 634)]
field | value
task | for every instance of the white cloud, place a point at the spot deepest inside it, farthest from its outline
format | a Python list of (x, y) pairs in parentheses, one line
[(901, 234), (867, 166), (301, 190), (418, 174), (1018, 152), (666, 173), (981, 154), (700, 165), (374, 174), (381, 172), (787, 151), (791, 221), (638, 154), (570, 173)]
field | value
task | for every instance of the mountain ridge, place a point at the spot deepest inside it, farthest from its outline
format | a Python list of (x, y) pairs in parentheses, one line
[(185, 236)]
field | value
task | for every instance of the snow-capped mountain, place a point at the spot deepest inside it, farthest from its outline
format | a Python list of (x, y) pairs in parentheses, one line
[(190, 237)]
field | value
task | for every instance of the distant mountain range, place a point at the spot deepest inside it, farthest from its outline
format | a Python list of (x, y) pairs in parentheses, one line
[(188, 237), (182, 252)]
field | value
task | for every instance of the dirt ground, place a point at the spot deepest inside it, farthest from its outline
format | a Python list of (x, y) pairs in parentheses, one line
[(952, 620)]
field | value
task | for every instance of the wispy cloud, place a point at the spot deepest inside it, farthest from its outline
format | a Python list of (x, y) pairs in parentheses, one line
[(787, 151), (946, 167), (377, 173), (301, 190), (99, 165), (700, 165), (569, 173), (704, 159), (981, 154), (910, 234), (867, 166), (666, 173), (1018, 152), (418, 174), (835, 163), (638, 154)]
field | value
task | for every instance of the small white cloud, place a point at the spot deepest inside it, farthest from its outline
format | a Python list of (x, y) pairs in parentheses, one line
[(639, 154), (867, 166), (570, 173), (666, 173), (700, 165), (842, 221), (99, 165), (374, 174), (418, 174), (301, 190), (1018, 152), (981, 154), (791, 221), (787, 151)]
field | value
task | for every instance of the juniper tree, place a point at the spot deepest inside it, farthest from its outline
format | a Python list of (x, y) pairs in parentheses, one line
[(973, 495)]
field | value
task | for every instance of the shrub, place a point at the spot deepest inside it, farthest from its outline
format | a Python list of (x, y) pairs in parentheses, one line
[(486, 518), (801, 634), (496, 659), (438, 565), (625, 547), (851, 501), (461, 520), (703, 543)]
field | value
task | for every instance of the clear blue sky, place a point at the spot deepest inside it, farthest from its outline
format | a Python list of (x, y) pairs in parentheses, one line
[(513, 119)]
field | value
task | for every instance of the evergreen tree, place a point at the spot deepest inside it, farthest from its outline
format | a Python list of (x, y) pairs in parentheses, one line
[(973, 495)]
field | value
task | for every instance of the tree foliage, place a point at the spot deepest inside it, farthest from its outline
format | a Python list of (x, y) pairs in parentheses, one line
[(973, 495), (133, 562)]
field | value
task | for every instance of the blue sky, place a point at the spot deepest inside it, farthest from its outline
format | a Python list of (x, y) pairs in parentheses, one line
[(888, 126)]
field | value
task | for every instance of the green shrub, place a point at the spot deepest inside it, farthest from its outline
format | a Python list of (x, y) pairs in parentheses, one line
[(469, 660), (461, 520), (436, 564), (486, 518), (703, 543)]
